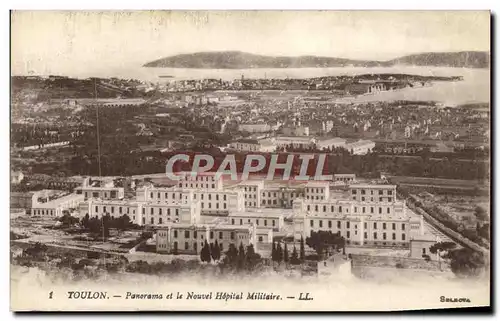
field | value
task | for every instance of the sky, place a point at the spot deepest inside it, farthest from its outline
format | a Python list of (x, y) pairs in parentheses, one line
[(63, 42)]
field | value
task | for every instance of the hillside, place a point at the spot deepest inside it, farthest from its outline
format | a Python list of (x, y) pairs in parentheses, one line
[(467, 59), (242, 60)]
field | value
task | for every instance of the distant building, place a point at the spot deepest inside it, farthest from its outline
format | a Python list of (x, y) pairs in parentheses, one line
[(55, 207), (253, 145), (144, 213), (264, 219), (254, 128), (296, 131), (23, 199), (99, 189), (331, 143), (441, 147), (16, 177), (295, 141), (373, 193), (345, 178), (420, 245), (190, 238), (246, 145), (361, 147)]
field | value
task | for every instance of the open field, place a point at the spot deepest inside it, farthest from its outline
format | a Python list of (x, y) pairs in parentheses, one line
[(441, 182)]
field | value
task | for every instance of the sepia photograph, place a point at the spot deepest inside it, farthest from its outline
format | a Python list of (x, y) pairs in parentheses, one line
[(250, 160)]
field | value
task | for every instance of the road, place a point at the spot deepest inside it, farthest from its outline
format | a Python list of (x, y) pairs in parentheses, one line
[(429, 229)]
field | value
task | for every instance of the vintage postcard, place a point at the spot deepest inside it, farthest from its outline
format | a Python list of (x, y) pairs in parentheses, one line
[(250, 160)]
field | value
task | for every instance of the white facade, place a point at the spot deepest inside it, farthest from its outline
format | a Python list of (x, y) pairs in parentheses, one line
[(200, 180), (331, 143), (190, 238), (295, 141), (245, 145), (345, 178), (254, 128), (56, 206), (372, 193), (252, 190), (102, 191), (360, 224), (296, 131), (317, 191), (261, 219), (361, 147), (253, 145), (212, 201), (143, 213), (420, 245)]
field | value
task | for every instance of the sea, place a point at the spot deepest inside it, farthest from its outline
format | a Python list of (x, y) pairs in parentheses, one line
[(474, 88)]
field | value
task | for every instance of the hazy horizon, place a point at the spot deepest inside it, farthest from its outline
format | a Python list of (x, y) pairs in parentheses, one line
[(65, 42)]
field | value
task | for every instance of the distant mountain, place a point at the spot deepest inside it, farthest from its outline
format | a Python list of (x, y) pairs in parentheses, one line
[(243, 60), (468, 59)]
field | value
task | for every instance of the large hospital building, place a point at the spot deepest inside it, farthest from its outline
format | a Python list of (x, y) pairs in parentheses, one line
[(202, 207)]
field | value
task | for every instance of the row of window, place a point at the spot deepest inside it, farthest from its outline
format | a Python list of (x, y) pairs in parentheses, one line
[(250, 188), (186, 246), (317, 197), (252, 204), (152, 220), (348, 225), (274, 194), (384, 236), (199, 178), (187, 235), (331, 209), (196, 185), (224, 196), (112, 194), (121, 211), (233, 222), (363, 199), (315, 190), (44, 212), (224, 205), (251, 147), (384, 226), (363, 192)]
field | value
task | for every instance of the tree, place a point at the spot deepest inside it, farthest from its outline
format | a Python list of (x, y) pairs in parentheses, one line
[(252, 259), (36, 251), (241, 256), (106, 219), (442, 247), (273, 252), (122, 223), (85, 221), (285, 254), (323, 241), (216, 251), (294, 258), (232, 252), (231, 257), (302, 249), (279, 253), (480, 213), (484, 230), (67, 220), (205, 255), (442, 250), (465, 262)]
